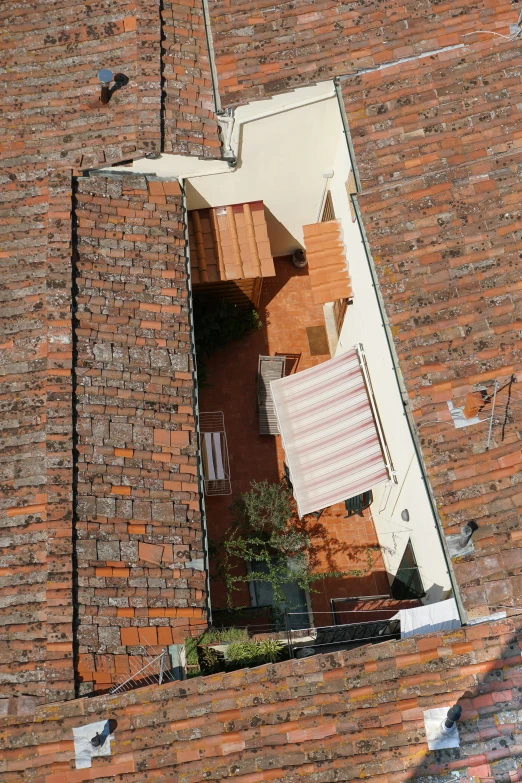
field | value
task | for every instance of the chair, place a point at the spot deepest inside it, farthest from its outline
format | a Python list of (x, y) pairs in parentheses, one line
[(270, 368), (357, 504), (214, 454)]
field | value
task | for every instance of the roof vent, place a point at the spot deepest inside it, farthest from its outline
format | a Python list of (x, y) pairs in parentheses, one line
[(105, 76), (441, 727), (465, 534)]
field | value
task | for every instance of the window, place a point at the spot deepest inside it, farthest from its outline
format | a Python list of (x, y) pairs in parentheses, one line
[(339, 310), (262, 594), (407, 582), (328, 210)]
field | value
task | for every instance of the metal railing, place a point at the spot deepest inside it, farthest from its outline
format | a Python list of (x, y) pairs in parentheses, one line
[(363, 631)]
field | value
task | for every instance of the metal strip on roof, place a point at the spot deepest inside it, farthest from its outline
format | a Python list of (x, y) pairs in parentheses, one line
[(332, 440)]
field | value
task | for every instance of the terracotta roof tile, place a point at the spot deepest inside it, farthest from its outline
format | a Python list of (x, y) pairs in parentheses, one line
[(52, 122), (436, 202), (327, 265), (285, 45), (235, 248), (358, 714), (438, 151)]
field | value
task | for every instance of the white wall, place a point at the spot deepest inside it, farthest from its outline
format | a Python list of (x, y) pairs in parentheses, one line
[(281, 161), (363, 324)]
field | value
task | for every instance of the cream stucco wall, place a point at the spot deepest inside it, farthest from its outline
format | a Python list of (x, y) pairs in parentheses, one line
[(363, 324), (281, 161)]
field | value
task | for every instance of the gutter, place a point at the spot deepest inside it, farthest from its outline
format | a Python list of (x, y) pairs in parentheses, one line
[(211, 57), (394, 358), (196, 408)]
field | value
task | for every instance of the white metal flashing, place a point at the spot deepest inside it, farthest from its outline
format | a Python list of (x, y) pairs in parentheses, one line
[(83, 749), (440, 738)]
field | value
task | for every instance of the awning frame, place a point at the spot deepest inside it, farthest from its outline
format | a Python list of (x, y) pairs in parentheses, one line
[(380, 431), (326, 497)]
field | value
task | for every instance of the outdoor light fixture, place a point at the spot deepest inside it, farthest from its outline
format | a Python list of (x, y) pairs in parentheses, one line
[(299, 258), (105, 76)]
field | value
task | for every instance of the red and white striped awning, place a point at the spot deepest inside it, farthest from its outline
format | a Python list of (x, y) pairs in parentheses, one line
[(331, 432)]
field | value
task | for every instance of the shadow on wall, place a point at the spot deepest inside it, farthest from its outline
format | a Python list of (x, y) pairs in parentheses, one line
[(282, 242), (194, 198)]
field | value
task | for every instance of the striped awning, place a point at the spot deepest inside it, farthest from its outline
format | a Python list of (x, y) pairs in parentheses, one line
[(331, 432)]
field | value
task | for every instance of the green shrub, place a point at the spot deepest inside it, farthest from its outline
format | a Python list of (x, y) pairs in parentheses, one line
[(210, 660), (191, 651), (217, 323), (253, 653), (223, 635), (262, 536), (267, 535)]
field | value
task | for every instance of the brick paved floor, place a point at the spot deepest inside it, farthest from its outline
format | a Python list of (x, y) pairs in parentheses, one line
[(340, 544)]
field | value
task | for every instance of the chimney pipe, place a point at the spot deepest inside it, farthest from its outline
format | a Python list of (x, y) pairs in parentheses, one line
[(452, 717), (105, 76)]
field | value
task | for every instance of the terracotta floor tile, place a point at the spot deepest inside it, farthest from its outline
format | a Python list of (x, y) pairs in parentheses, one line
[(347, 545)]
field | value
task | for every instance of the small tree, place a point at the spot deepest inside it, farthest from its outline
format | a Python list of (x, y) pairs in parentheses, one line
[(266, 532)]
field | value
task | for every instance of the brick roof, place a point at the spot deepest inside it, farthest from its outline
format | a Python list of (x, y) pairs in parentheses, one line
[(437, 143), (438, 146), (136, 489), (279, 46), (138, 516), (52, 128), (50, 108), (342, 716)]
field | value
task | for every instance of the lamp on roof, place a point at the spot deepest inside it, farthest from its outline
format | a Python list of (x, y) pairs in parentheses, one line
[(105, 76)]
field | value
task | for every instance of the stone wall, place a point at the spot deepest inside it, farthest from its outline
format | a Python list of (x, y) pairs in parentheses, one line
[(139, 548)]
